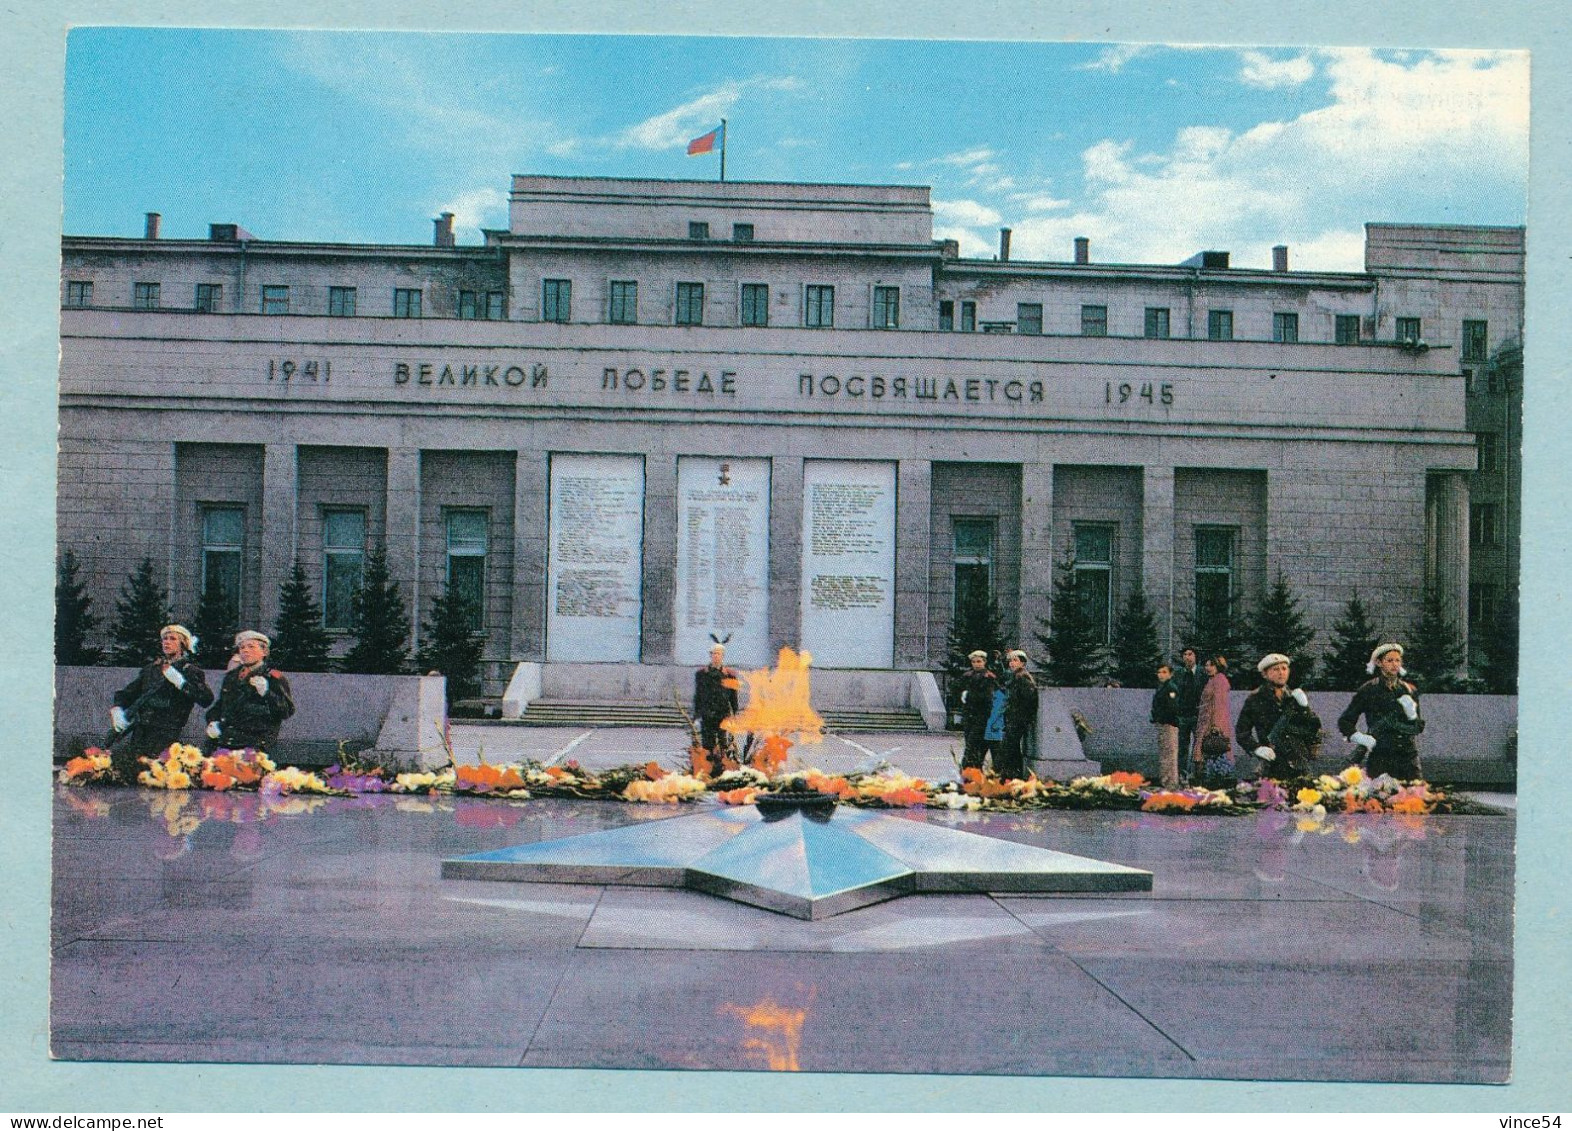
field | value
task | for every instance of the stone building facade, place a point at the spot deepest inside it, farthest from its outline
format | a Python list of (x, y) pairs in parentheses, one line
[(654, 410)]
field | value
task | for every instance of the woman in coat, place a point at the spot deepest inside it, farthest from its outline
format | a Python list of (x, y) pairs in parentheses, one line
[(1212, 717)]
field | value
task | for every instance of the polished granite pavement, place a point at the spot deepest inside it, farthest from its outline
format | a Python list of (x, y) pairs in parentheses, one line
[(220, 927)]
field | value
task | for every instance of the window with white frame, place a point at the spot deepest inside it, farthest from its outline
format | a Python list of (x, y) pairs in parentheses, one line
[(343, 565)]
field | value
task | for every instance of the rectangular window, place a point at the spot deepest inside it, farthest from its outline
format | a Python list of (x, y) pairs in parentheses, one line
[(1346, 330), (209, 298), (1476, 341), (406, 302), (968, 317), (755, 304), (144, 296), (341, 302), (343, 566), (1489, 444), (1029, 317), (624, 308), (742, 233), (468, 305), (1094, 321), (1484, 524), (496, 306), (819, 307), (556, 300), (275, 300), (1157, 322), (1481, 602), (973, 562), (690, 304), (1408, 329), (1214, 578), (1220, 325), (1094, 553), (946, 314), (698, 230), (79, 294), (1285, 327), (223, 544), (466, 531), (886, 308)]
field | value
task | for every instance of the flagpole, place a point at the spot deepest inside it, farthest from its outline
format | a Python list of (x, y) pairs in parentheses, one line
[(723, 149)]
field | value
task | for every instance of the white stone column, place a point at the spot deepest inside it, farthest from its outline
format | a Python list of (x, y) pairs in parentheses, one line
[(785, 553), (1037, 552), (402, 536), (280, 485), (1448, 571), (913, 517), (1157, 550), (531, 471)]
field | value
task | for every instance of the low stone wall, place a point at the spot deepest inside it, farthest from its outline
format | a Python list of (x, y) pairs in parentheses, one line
[(402, 718), (1467, 738)]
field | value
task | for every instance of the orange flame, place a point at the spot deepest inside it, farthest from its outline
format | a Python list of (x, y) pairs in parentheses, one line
[(778, 1032), (777, 701)]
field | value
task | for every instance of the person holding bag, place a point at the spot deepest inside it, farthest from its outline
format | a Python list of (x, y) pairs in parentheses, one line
[(1213, 755)]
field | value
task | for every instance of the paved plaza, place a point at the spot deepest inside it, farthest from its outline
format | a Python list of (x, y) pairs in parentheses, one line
[(235, 928)]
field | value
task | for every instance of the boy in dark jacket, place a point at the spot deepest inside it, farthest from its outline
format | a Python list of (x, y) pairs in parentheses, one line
[(1165, 716)]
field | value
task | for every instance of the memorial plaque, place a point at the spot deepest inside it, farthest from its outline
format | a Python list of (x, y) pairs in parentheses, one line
[(848, 563), (595, 567), (723, 559)]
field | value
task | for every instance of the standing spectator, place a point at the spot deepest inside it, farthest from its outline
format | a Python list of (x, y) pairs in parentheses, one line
[(1188, 681), (253, 701), (1276, 724), (977, 687), (1213, 756), (1020, 714), (714, 700), (1165, 716), (1390, 705), (150, 712)]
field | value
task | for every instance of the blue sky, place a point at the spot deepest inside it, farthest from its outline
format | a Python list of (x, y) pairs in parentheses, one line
[(1152, 152)]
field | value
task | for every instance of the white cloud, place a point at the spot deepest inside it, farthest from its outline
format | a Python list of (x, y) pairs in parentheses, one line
[(1112, 59), (965, 212), (681, 124), (1263, 71), (478, 208), (1041, 202), (973, 244)]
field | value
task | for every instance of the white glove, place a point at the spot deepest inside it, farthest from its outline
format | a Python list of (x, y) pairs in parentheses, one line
[(1300, 697), (1360, 738), (212, 730), (117, 719), (1266, 753), (172, 674), (1410, 708), (260, 683)]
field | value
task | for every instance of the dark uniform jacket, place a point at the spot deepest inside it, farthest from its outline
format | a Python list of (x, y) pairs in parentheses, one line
[(1189, 684), (712, 699), (1020, 702), (977, 688), (245, 718), (157, 709), (1293, 732), (1165, 704), (1395, 751)]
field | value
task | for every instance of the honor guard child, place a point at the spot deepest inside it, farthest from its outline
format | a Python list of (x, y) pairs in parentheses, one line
[(253, 700)]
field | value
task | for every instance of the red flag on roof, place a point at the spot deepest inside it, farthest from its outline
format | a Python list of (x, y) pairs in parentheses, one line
[(705, 144)]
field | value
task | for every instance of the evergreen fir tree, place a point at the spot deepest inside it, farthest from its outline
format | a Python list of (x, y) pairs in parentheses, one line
[(451, 646), (1279, 626), (214, 627), (1353, 639), (380, 625), (1499, 647), (1072, 645), (1435, 652), (1135, 649), (74, 623), (1221, 636), (300, 643), (141, 611), (978, 624)]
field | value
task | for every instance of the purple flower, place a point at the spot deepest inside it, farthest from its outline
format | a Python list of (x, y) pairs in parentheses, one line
[(1270, 794)]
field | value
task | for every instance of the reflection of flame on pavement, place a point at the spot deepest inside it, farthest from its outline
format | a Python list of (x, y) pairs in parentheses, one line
[(777, 1031), (777, 701)]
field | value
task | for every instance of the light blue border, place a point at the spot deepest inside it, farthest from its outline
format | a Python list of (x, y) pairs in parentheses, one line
[(32, 37)]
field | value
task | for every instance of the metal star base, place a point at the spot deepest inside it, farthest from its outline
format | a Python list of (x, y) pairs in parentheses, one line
[(810, 867)]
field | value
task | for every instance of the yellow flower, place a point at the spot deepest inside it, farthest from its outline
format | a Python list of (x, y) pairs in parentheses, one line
[(1309, 796), (1351, 776), (1327, 783), (415, 782)]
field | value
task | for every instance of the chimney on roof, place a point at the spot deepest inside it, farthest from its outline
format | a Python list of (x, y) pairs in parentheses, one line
[(153, 219), (1280, 257), (1083, 249), (444, 233), (1004, 245)]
